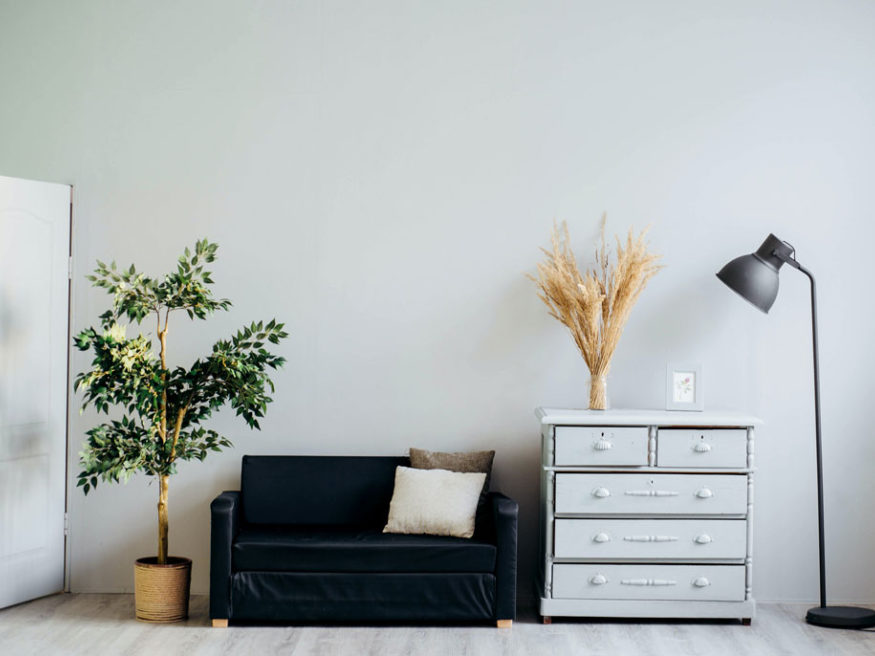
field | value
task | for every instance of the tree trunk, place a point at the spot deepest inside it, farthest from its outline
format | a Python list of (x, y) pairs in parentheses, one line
[(163, 527), (162, 520)]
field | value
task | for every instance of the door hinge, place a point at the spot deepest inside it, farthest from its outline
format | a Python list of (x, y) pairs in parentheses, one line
[(66, 524), (70, 268)]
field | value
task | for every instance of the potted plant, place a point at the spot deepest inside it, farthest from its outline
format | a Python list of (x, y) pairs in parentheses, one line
[(159, 411)]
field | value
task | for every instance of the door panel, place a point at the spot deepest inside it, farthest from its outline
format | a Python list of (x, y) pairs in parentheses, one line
[(34, 251)]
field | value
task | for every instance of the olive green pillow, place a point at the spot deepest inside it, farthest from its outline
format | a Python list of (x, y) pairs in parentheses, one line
[(465, 462)]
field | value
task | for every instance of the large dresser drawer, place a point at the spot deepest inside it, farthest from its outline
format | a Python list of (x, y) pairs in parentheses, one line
[(660, 494), (652, 582), (697, 447), (601, 445), (678, 539)]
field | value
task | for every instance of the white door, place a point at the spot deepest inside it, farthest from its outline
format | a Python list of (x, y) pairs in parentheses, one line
[(34, 252)]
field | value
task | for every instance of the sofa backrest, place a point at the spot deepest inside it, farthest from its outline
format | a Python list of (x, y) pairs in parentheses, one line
[(351, 490)]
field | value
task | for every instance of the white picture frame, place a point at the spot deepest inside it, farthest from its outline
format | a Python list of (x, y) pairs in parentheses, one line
[(684, 389)]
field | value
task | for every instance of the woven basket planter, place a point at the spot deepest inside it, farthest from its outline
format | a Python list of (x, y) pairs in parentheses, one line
[(161, 591)]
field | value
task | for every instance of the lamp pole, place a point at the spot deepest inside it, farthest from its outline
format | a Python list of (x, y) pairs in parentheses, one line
[(817, 438)]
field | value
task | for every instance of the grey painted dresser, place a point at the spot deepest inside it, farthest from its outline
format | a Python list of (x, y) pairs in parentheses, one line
[(646, 513)]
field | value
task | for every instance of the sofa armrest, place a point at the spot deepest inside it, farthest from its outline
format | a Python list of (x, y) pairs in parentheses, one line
[(224, 525), (504, 519)]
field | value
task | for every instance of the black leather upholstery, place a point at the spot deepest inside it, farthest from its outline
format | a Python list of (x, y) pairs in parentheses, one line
[(303, 541), (344, 490), (340, 549), (225, 522), (329, 596), (505, 512)]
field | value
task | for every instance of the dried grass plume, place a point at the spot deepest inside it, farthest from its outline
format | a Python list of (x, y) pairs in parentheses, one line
[(596, 304)]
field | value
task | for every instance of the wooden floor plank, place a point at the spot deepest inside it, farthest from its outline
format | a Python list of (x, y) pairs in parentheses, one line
[(96, 624)]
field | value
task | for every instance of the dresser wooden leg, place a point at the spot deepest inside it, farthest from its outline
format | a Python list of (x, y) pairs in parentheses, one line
[(504, 624), (220, 624), (546, 619)]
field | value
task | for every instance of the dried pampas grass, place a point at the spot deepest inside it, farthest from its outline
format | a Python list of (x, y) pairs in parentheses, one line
[(595, 305)]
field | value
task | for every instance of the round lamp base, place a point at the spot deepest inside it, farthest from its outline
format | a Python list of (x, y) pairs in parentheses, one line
[(841, 617)]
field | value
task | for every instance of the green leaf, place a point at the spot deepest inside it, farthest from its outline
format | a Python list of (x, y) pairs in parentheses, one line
[(126, 381)]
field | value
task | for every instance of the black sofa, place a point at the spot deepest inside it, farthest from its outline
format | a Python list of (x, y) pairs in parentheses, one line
[(302, 541)]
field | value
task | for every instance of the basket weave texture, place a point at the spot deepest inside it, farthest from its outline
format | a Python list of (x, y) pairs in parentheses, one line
[(161, 591)]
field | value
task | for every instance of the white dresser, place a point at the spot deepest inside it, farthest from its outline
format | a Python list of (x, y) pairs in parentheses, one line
[(646, 513)]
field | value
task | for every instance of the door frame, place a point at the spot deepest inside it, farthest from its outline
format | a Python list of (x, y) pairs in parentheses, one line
[(67, 545)]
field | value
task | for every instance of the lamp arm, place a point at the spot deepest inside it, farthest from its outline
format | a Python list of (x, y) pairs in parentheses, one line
[(788, 256), (817, 434)]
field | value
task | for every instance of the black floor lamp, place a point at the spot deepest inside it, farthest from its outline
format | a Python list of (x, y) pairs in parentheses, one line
[(755, 278)]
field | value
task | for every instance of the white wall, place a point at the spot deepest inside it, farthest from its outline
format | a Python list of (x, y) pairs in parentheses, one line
[(380, 176)]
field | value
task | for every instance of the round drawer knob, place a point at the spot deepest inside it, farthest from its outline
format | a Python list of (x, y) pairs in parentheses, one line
[(701, 582), (703, 539), (598, 579), (601, 493), (601, 537), (704, 493)]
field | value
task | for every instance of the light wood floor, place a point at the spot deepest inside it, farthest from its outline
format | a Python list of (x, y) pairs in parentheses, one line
[(93, 624)]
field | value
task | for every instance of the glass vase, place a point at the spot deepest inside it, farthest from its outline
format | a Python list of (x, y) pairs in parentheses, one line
[(598, 392)]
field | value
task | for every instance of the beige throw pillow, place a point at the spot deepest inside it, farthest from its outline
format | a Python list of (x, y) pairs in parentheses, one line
[(434, 501)]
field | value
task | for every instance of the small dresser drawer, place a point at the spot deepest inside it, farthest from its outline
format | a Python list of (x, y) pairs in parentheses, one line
[(645, 494), (678, 539), (708, 447), (601, 445), (649, 582)]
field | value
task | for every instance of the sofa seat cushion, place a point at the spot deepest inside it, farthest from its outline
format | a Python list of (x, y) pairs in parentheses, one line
[(346, 549)]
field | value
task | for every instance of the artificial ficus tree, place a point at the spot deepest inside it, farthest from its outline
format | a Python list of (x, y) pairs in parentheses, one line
[(162, 409)]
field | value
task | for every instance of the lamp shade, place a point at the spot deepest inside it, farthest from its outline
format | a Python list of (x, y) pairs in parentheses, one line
[(754, 277)]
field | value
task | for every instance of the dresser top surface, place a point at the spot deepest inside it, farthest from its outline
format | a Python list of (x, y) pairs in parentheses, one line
[(621, 417)]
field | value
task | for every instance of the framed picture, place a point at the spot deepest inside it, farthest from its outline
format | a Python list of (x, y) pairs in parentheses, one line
[(683, 387)]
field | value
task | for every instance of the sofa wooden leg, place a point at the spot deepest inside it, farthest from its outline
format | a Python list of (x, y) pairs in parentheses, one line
[(504, 624), (220, 624)]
